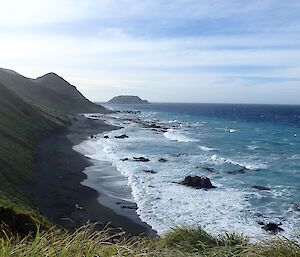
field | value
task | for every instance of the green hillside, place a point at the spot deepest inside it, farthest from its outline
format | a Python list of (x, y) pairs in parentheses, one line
[(30, 109), (21, 125)]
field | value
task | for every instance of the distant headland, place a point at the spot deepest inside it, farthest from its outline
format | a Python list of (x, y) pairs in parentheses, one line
[(127, 99)]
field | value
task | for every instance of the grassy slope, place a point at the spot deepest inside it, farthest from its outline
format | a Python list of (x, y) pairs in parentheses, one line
[(21, 125), (180, 242)]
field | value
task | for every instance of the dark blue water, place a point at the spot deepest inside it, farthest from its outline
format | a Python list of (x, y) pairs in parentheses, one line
[(246, 145), (280, 114)]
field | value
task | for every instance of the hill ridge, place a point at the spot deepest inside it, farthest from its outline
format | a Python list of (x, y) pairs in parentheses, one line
[(48, 91)]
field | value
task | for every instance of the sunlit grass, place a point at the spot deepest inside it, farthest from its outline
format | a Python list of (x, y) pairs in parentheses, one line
[(179, 242)]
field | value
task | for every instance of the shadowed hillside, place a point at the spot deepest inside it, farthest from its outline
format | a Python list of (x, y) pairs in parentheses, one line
[(30, 109), (21, 125), (48, 91)]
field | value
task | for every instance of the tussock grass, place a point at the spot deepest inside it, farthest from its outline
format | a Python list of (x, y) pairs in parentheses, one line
[(179, 242)]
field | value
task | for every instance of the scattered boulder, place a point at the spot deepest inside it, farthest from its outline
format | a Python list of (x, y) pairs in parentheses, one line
[(271, 227), (122, 136), (179, 154), (262, 188), (151, 171), (197, 182), (154, 126), (141, 159), (106, 137), (92, 136), (206, 169), (162, 160), (125, 159), (240, 171), (131, 207), (130, 112)]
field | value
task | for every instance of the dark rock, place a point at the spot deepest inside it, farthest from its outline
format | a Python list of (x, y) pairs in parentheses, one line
[(131, 207), (162, 160), (240, 171), (125, 159), (272, 227), (261, 188), (122, 136), (179, 154), (106, 137), (206, 169), (197, 182), (151, 171), (141, 159), (154, 126), (130, 112)]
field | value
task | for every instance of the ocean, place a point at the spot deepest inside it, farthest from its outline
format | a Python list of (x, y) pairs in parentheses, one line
[(241, 148)]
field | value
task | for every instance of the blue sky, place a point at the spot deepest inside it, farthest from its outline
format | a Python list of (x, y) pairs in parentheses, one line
[(172, 51)]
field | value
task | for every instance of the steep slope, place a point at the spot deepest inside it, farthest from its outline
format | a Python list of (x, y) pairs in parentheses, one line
[(21, 125), (127, 99), (48, 92)]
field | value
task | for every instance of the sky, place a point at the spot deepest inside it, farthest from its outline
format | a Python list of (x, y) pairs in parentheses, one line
[(225, 51)]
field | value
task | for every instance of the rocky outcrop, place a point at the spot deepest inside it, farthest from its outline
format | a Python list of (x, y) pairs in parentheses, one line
[(121, 137), (271, 227), (197, 182), (127, 99), (262, 188), (239, 171), (141, 159), (206, 169), (151, 171), (162, 160)]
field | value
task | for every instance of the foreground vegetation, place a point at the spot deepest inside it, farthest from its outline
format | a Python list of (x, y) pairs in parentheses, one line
[(179, 242)]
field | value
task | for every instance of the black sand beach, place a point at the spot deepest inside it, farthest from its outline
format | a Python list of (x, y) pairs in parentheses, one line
[(59, 193)]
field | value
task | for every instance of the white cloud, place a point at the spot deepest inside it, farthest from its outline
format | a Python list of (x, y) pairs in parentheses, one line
[(32, 12), (111, 61)]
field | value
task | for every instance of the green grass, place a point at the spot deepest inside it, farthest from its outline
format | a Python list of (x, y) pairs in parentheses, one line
[(180, 242), (21, 127)]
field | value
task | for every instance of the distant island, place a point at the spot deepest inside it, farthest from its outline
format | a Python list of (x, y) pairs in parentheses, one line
[(127, 99)]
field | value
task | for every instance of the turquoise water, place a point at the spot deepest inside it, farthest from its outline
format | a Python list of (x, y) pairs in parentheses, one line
[(246, 145)]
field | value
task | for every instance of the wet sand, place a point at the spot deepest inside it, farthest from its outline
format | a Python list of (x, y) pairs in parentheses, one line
[(60, 194)]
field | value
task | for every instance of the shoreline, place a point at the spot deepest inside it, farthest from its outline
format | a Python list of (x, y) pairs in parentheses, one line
[(59, 192)]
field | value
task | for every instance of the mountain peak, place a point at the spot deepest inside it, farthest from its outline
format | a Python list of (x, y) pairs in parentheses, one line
[(50, 75)]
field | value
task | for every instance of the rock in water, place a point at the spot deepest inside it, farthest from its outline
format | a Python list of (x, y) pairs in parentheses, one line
[(141, 159), (151, 171), (162, 160), (272, 227), (197, 182), (122, 136), (262, 188)]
